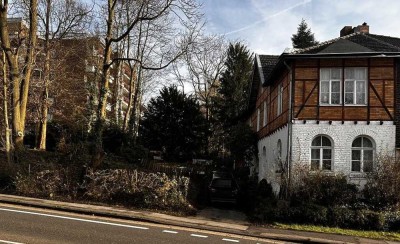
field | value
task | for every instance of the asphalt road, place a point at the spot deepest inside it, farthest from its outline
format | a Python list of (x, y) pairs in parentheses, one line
[(30, 225)]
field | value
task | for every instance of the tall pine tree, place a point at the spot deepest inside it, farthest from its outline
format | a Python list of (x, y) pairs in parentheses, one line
[(235, 137), (235, 84), (304, 37)]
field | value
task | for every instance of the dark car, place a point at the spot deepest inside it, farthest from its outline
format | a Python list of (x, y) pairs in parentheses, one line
[(223, 190)]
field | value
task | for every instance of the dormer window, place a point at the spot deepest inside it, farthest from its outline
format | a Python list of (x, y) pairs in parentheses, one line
[(330, 79)]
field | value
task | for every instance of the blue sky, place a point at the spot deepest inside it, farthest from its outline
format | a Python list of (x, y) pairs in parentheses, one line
[(266, 26)]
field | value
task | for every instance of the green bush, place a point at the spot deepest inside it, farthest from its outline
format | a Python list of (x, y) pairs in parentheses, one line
[(113, 139), (341, 217), (320, 199), (367, 220), (382, 190), (309, 213), (392, 220), (326, 190), (356, 219), (264, 189), (265, 205), (134, 154)]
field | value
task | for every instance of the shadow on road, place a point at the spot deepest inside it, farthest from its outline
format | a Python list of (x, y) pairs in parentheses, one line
[(228, 213)]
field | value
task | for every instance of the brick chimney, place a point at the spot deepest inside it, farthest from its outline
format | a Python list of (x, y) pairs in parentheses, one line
[(348, 29), (364, 28)]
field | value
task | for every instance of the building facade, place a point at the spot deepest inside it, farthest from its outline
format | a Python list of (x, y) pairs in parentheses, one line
[(330, 107)]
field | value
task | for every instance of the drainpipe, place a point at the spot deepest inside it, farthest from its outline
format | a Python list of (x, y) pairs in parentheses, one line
[(290, 117)]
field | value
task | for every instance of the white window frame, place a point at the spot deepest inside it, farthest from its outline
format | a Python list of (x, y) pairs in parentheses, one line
[(258, 119), (280, 98), (362, 150), (265, 114), (330, 86), (354, 81), (321, 149)]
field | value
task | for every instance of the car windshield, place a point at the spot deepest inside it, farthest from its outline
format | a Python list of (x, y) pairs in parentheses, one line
[(223, 183)]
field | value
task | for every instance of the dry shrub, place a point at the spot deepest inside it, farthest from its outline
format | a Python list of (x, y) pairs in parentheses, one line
[(118, 186), (382, 190), (53, 183), (139, 189)]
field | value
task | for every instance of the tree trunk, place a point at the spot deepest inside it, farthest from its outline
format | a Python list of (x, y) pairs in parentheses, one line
[(136, 103), (5, 114), (101, 112), (115, 108), (132, 87), (138, 111), (43, 122), (20, 88), (45, 100), (27, 71), (16, 104)]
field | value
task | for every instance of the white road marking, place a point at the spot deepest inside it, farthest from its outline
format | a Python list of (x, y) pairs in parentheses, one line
[(10, 242), (76, 219), (231, 240), (200, 236), (170, 231)]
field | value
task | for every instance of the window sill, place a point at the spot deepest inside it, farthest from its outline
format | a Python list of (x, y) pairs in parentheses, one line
[(346, 105), (355, 105), (330, 105), (324, 172), (361, 175)]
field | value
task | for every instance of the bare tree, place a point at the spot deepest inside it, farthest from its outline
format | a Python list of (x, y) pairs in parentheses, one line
[(58, 20), (19, 80), (187, 17), (201, 68)]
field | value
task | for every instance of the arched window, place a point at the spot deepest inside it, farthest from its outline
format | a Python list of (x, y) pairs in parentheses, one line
[(362, 154), (321, 153), (279, 148)]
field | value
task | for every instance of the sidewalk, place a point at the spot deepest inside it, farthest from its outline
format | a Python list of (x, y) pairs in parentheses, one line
[(241, 228)]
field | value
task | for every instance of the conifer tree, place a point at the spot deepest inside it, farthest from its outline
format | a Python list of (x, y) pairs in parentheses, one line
[(304, 37), (174, 124), (235, 84)]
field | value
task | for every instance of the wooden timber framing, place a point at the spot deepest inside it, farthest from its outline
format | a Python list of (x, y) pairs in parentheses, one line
[(269, 94), (380, 91), (381, 75)]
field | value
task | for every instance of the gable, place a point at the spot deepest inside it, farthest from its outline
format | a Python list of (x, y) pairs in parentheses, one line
[(263, 67)]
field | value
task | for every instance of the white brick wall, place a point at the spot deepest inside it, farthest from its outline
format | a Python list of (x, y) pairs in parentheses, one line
[(342, 136), (268, 161)]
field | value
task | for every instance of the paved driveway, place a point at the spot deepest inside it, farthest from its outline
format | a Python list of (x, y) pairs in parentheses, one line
[(223, 214)]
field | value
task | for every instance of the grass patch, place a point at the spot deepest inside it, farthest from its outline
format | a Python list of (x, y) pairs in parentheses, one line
[(390, 236)]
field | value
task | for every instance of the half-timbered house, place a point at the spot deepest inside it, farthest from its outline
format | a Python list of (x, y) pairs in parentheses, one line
[(331, 106)]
